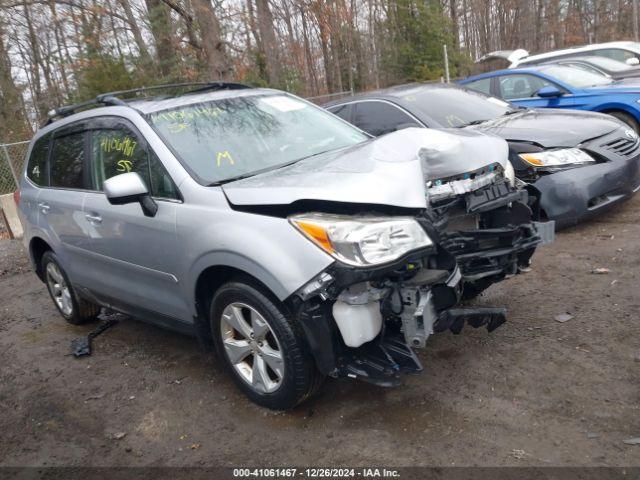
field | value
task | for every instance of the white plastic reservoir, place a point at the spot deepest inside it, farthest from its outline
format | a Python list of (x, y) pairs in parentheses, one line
[(358, 324)]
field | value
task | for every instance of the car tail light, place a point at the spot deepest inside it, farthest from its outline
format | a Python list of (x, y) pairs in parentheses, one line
[(16, 197)]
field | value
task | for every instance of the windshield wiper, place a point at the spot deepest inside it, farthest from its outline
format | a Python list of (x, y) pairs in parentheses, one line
[(473, 122), (515, 110), (231, 179)]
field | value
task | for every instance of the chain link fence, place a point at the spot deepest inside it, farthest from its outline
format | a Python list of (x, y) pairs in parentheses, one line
[(12, 156)]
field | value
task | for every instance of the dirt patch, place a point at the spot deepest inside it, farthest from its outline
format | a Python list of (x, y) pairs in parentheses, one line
[(535, 392)]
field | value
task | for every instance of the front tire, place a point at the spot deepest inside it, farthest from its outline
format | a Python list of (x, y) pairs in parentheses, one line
[(74, 309), (261, 347)]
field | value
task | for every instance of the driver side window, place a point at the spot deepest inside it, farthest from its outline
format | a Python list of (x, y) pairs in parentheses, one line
[(521, 86), (119, 150)]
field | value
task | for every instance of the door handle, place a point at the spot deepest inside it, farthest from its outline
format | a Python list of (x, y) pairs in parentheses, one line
[(95, 218), (44, 207)]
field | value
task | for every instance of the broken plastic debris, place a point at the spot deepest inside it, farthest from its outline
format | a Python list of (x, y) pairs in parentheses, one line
[(600, 271), (632, 441), (518, 453), (563, 317), (119, 435)]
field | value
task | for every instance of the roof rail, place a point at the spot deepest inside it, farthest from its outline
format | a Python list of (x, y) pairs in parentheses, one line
[(112, 98)]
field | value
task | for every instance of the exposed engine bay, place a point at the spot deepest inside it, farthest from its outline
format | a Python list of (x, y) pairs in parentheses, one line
[(487, 224), (482, 231), (363, 320)]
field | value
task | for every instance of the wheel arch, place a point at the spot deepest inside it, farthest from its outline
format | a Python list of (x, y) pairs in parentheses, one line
[(37, 248), (210, 279), (618, 107)]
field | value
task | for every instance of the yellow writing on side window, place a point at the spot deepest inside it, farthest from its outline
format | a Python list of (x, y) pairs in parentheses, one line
[(124, 166), (224, 156), (125, 145)]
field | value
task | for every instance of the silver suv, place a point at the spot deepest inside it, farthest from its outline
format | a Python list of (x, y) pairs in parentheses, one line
[(269, 228)]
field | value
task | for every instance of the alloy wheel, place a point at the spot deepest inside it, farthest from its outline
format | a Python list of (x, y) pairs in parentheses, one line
[(252, 347), (59, 289)]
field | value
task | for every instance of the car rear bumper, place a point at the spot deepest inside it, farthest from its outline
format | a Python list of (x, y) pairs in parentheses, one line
[(571, 196)]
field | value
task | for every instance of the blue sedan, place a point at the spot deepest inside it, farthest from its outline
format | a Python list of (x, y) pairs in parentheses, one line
[(560, 86)]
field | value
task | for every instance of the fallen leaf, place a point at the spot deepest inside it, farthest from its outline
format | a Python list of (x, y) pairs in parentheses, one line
[(195, 446), (563, 317)]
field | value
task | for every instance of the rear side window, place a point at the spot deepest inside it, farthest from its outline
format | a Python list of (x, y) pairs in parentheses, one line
[(67, 161), (378, 118), (37, 166), (612, 53), (343, 111), (117, 151)]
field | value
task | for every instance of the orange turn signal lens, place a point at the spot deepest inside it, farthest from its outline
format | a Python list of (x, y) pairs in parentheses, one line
[(531, 159), (317, 234)]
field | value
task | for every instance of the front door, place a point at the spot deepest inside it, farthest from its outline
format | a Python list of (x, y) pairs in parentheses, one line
[(136, 257), (522, 89)]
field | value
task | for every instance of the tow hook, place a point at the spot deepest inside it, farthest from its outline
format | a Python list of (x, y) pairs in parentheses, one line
[(455, 318)]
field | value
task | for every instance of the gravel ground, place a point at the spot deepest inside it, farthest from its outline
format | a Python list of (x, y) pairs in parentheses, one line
[(535, 392)]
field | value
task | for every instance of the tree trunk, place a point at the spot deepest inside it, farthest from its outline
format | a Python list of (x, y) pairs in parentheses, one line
[(218, 66), (137, 34), (270, 49), (162, 31), (13, 121)]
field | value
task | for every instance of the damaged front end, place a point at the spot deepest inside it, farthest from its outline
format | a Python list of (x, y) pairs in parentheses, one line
[(364, 323), (481, 217)]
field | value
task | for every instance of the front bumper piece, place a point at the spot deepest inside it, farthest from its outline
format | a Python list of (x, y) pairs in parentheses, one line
[(378, 347)]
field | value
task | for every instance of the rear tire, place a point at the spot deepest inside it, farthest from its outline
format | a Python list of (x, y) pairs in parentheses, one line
[(74, 309), (628, 119), (262, 348)]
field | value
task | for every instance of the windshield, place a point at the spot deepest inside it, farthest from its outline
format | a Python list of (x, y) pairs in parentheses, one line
[(236, 137), (576, 77), (455, 107)]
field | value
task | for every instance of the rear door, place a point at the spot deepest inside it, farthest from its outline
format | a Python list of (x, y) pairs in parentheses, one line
[(136, 258), (60, 204)]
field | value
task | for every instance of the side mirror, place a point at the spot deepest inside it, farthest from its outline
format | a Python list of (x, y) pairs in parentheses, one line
[(129, 188), (632, 61), (549, 92), (402, 126)]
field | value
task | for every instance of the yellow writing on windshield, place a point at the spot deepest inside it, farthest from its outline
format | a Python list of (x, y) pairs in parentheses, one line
[(177, 127), (182, 116), (126, 145), (224, 156)]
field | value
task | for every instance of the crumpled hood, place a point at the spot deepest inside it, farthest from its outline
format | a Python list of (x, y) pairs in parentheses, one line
[(389, 170), (550, 127)]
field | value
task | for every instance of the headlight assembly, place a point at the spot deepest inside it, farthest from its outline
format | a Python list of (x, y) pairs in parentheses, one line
[(557, 158), (362, 241)]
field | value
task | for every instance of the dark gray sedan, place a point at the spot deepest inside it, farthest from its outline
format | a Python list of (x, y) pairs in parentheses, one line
[(577, 163)]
